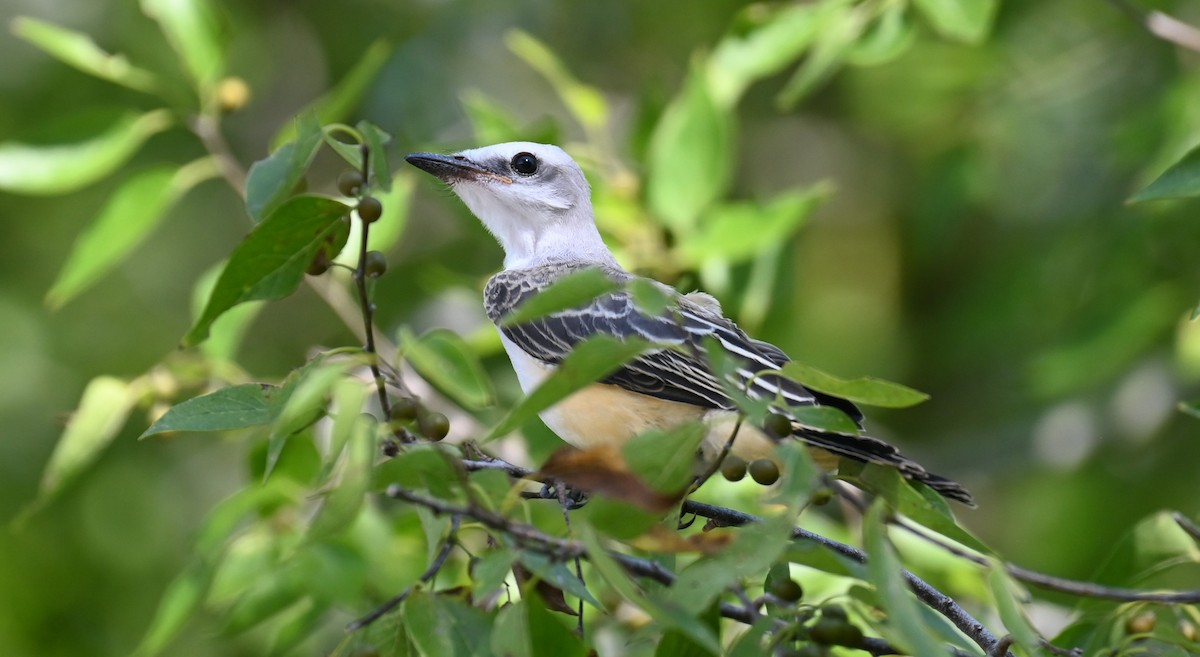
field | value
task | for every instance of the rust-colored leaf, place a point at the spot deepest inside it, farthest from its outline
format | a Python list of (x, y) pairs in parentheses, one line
[(661, 539), (550, 594), (603, 470)]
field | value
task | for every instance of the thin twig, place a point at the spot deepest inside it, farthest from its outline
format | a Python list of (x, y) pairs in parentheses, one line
[(430, 572), (364, 297), (208, 130), (716, 464)]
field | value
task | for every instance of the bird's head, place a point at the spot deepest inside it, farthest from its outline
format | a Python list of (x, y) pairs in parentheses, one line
[(533, 197)]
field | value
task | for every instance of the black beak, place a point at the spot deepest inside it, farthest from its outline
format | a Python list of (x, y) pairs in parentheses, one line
[(453, 168)]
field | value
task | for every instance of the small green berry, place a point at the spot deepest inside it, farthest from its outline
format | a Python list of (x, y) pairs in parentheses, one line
[(834, 612), (764, 471), (821, 496), (786, 589), (778, 426), (404, 408), (350, 183), (375, 265), (434, 425), (733, 468), (369, 209)]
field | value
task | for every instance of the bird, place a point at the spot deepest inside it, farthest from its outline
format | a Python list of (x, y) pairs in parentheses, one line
[(536, 201)]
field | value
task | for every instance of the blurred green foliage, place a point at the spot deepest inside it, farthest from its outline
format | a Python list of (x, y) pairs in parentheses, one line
[(954, 174)]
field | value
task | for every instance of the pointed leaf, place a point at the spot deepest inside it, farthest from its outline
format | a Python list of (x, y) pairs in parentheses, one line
[(753, 551), (904, 627), (127, 218), (60, 168), (738, 61), (270, 262), (270, 181), (180, 601), (80, 51), (342, 504), (235, 407), (103, 410), (864, 390), (965, 20), (690, 156), (739, 231), (377, 141), (339, 102), (444, 627), (590, 361), (1004, 592), (919, 503), (571, 291), (557, 574), (192, 30), (446, 361), (1180, 180)]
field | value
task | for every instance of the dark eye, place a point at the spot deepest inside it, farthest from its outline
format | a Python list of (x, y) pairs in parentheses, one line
[(525, 164)]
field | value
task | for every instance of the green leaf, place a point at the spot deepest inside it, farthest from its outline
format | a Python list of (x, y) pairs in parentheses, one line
[(1191, 408), (1004, 592), (103, 410), (918, 503), (840, 29), (752, 551), (738, 61), (739, 231), (1180, 180), (60, 168), (431, 467), (665, 459), (527, 629), (891, 35), (489, 572), (270, 181), (127, 218), (571, 291), (691, 156), (343, 503), (825, 418), (191, 28), (377, 141), (650, 297), (446, 361), (235, 407), (864, 390), (1147, 554), (557, 574), (80, 51), (667, 612), (270, 262), (585, 103), (180, 601), (227, 332), (904, 627), (590, 361), (441, 626), (303, 400), (964, 20), (677, 644), (304, 624), (338, 103)]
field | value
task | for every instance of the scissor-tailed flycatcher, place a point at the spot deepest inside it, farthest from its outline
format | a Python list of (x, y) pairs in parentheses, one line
[(536, 201)]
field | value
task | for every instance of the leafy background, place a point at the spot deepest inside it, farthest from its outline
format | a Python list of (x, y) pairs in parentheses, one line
[(972, 241)]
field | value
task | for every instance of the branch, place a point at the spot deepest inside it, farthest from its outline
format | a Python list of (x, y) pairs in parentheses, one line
[(430, 572)]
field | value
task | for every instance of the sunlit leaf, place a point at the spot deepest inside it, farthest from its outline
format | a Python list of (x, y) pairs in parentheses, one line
[(270, 181), (904, 627), (825, 418), (965, 20), (192, 30), (586, 104), (446, 361), (127, 218), (60, 168), (226, 334), (1005, 592), (303, 399), (270, 593), (752, 552), (377, 141), (80, 51), (840, 29), (102, 412), (270, 262), (1180, 180), (665, 459), (738, 231), (690, 163), (423, 466), (890, 36), (441, 626), (864, 390), (235, 407), (338, 103), (739, 60), (587, 363), (180, 601), (918, 503), (342, 504), (667, 612), (571, 291)]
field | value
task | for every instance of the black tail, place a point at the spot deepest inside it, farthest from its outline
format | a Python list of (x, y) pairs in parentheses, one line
[(873, 450)]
